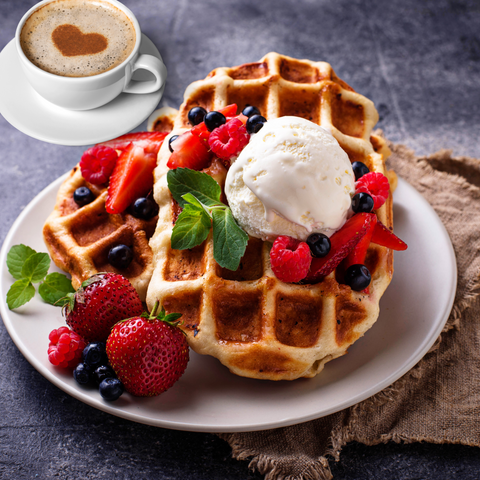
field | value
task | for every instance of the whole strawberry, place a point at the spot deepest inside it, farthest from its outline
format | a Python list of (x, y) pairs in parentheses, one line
[(100, 302), (149, 353)]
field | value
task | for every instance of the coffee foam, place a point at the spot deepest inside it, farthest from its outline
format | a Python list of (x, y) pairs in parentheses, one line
[(90, 17)]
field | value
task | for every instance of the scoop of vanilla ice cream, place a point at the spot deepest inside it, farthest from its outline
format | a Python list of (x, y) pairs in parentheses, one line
[(292, 178)]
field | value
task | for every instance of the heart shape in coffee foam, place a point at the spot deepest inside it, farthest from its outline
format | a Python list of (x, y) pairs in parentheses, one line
[(71, 41)]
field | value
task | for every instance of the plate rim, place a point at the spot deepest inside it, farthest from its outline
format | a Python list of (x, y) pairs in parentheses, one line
[(93, 400)]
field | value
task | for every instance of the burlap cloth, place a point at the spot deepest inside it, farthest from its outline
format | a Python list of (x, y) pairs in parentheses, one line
[(438, 400)]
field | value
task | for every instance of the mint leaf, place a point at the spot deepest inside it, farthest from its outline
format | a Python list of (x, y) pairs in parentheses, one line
[(184, 180), (188, 197), (21, 292), (191, 228), (229, 240), (16, 258), (55, 288), (36, 267), (199, 195)]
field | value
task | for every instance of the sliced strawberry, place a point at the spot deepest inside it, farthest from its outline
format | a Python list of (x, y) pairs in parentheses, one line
[(229, 110), (131, 179), (189, 152), (358, 254), (243, 118), (201, 131), (383, 236), (149, 141), (342, 243)]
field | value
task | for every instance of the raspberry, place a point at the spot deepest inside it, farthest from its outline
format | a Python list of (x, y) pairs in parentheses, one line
[(229, 139), (376, 184), (65, 348), (97, 164), (290, 259)]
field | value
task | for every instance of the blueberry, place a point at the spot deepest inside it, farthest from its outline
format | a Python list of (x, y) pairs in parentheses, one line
[(170, 141), (82, 374), (102, 372), (144, 208), (255, 123), (110, 389), (357, 277), (94, 354), (196, 115), (362, 202), (83, 196), (319, 244), (359, 169), (120, 256), (214, 119), (250, 110)]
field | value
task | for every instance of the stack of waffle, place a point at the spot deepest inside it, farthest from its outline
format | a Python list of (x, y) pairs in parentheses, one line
[(252, 322)]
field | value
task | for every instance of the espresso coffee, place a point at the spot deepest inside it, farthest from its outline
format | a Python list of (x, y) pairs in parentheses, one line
[(77, 38)]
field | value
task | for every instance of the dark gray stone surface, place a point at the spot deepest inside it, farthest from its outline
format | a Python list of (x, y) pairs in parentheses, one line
[(418, 61)]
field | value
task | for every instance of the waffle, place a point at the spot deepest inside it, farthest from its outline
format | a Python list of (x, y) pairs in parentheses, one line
[(252, 322), (79, 238)]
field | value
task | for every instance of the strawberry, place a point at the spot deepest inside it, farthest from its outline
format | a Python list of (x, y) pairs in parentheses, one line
[(189, 152), (342, 243), (202, 132), (149, 353), (243, 118), (99, 303), (149, 141), (359, 253), (383, 236), (229, 110), (132, 178)]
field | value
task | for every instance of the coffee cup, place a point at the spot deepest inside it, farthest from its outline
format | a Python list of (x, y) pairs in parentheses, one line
[(83, 70)]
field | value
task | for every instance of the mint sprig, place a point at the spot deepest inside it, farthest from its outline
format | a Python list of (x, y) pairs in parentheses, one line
[(29, 267), (199, 195), (229, 240), (202, 186)]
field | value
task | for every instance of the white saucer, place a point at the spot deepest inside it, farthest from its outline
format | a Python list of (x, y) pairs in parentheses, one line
[(30, 113)]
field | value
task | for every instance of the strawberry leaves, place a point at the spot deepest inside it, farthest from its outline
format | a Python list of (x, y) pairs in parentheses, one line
[(29, 267), (170, 318), (199, 195)]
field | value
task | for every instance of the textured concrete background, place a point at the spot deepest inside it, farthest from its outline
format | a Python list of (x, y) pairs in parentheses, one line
[(418, 61)]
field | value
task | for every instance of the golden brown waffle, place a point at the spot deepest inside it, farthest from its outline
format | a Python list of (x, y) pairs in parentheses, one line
[(252, 322), (79, 238)]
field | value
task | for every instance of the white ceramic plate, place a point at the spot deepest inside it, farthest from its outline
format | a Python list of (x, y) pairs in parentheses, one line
[(209, 398), (30, 113)]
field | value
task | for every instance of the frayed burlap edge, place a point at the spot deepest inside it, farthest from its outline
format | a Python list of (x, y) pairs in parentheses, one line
[(342, 434), (317, 470)]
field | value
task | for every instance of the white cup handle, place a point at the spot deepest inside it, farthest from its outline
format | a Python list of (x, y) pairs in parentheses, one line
[(153, 65)]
